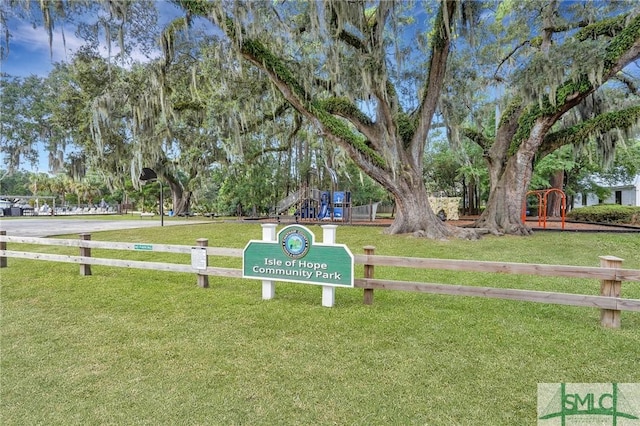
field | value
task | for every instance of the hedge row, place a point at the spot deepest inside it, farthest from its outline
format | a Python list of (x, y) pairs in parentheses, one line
[(606, 213)]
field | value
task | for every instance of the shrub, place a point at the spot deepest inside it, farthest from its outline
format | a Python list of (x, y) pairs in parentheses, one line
[(606, 213)]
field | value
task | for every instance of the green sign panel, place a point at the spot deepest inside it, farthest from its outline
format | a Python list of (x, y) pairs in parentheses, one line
[(146, 247), (295, 257)]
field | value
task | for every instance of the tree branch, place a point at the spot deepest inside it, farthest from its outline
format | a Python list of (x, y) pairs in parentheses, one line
[(506, 58), (567, 27), (345, 108), (607, 27), (385, 94), (595, 127), (281, 148), (622, 50), (433, 85), (631, 84), (477, 137), (266, 117)]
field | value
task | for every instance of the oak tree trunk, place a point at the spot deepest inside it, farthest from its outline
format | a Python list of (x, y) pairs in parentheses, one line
[(180, 198), (554, 200), (503, 214), (415, 215)]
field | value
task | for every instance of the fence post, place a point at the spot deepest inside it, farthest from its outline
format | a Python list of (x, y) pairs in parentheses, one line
[(328, 291), (268, 286), (85, 269), (610, 318), (203, 280), (3, 246), (368, 273)]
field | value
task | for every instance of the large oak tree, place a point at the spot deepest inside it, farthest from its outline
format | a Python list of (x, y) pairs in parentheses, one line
[(556, 94), (339, 64)]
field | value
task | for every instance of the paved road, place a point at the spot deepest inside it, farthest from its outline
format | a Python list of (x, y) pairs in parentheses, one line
[(39, 227)]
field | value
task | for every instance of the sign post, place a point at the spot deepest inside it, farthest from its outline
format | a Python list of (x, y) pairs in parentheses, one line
[(199, 261), (328, 292), (268, 286), (293, 256)]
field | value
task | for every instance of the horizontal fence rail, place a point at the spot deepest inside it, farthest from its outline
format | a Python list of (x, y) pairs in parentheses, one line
[(135, 264), (108, 245), (609, 273), (601, 302), (502, 267)]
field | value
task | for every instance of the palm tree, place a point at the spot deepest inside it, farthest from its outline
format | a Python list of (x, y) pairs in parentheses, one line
[(61, 184), (39, 184)]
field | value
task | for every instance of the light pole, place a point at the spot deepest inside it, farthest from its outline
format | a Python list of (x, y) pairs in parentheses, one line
[(148, 175)]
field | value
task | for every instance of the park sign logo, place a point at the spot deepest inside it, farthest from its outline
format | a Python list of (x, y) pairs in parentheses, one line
[(296, 257), (589, 403), (296, 243)]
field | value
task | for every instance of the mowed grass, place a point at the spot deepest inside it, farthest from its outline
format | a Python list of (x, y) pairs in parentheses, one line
[(126, 346)]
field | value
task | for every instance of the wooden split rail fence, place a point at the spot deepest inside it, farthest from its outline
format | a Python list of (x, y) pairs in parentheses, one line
[(610, 273)]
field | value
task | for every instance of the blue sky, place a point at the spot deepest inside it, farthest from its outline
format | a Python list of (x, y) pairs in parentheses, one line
[(29, 51)]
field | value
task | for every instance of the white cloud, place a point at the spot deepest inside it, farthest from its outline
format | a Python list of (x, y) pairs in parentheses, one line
[(30, 53), (36, 42)]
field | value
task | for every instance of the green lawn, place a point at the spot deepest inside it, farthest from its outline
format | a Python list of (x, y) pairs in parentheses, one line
[(141, 347)]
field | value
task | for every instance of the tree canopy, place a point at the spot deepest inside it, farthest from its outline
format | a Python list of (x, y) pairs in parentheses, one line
[(269, 90), (565, 78)]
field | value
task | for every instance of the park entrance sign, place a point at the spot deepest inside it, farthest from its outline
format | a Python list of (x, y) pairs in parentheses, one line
[(295, 257)]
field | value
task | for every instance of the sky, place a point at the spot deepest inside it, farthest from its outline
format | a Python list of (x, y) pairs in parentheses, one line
[(29, 51)]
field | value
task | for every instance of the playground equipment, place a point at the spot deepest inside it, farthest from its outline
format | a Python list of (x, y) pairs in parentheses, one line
[(310, 203), (542, 205), (313, 204)]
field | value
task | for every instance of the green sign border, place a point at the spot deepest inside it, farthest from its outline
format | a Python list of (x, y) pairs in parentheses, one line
[(297, 258)]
